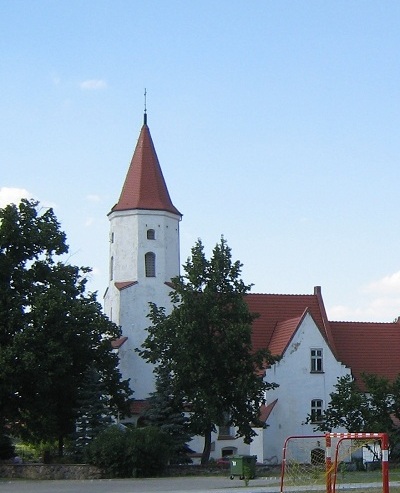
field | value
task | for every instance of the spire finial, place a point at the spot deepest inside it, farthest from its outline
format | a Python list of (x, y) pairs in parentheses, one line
[(145, 107)]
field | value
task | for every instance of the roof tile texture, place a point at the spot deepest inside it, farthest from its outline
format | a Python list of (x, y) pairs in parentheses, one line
[(274, 309), (364, 347), (372, 348), (144, 186)]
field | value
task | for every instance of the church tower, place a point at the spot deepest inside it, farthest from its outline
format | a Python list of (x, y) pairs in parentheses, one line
[(143, 258)]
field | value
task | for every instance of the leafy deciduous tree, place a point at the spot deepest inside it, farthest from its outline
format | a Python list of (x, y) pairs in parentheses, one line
[(370, 409), (205, 345), (51, 330)]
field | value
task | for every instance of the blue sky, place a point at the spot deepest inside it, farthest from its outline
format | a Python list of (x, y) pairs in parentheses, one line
[(276, 123)]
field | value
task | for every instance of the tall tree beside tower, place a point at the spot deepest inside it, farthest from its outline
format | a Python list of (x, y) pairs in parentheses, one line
[(205, 345)]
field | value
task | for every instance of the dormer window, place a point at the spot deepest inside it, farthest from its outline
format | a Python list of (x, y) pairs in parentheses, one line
[(151, 234), (150, 264)]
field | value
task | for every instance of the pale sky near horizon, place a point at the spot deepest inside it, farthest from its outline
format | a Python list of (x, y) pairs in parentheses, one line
[(276, 123)]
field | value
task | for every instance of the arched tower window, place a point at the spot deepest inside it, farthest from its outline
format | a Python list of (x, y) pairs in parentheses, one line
[(111, 268), (150, 264), (151, 234)]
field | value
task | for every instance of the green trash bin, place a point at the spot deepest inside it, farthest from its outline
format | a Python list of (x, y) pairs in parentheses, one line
[(243, 466)]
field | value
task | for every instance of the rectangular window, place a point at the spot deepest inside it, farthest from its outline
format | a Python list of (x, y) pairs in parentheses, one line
[(316, 361), (316, 410), (225, 429)]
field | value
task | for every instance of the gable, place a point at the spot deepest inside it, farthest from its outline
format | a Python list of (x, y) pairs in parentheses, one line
[(278, 318)]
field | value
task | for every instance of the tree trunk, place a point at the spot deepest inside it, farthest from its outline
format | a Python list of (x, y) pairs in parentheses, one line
[(205, 457)]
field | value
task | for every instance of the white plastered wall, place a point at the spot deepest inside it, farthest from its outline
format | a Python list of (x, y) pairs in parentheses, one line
[(298, 387)]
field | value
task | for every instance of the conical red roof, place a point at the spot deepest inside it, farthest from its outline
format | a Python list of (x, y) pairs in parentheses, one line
[(144, 186)]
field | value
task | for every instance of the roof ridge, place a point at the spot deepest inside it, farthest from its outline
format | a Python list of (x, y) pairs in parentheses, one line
[(362, 322), (281, 294)]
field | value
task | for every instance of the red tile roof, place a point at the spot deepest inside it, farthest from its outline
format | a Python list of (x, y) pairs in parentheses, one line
[(279, 315), (265, 410), (363, 347), (117, 343), (144, 186), (124, 284), (283, 333), (368, 347), (139, 406)]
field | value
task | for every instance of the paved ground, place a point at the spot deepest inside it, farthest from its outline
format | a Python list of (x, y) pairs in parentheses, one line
[(165, 485)]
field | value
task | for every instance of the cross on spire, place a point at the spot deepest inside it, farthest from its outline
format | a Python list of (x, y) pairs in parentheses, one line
[(145, 107)]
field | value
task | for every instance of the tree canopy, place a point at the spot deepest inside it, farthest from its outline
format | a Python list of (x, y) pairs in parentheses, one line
[(373, 408), (51, 330), (205, 345)]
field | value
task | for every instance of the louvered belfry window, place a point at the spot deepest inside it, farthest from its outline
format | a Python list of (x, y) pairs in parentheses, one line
[(150, 264)]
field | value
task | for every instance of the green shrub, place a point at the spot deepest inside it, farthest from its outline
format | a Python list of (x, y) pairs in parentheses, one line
[(123, 452), (151, 450)]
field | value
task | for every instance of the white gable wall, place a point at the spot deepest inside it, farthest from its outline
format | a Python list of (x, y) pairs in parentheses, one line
[(298, 387)]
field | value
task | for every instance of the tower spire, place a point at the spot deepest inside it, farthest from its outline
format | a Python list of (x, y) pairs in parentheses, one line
[(144, 187), (145, 107)]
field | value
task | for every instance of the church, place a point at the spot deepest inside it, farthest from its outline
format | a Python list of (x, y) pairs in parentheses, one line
[(144, 255)]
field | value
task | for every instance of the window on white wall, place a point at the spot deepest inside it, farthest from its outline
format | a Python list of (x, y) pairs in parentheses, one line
[(316, 410), (316, 361), (111, 268), (225, 429), (228, 452), (150, 264), (151, 234)]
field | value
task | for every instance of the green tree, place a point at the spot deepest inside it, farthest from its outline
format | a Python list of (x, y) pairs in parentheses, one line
[(205, 345), (165, 412), (93, 413), (367, 409), (51, 330)]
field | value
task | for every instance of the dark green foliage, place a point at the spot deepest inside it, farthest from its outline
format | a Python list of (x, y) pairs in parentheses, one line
[(123, 452), (110, 451), (7, 450), (51, 330), (165, 412), (205, 345), (151, 451), (367, 409), (93, 413)]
